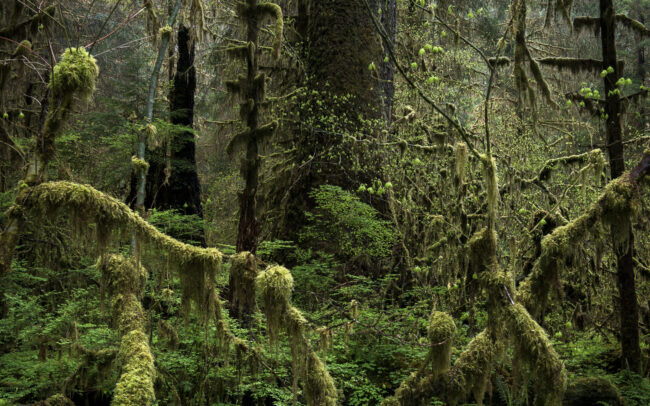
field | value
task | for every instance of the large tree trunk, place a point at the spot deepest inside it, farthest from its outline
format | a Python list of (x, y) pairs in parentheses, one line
[(625, 263), (344, 97)]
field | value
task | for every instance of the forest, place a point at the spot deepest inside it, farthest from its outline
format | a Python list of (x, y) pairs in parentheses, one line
[(325, 202)]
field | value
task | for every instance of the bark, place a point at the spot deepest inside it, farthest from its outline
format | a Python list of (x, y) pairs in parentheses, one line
[(631, 352)]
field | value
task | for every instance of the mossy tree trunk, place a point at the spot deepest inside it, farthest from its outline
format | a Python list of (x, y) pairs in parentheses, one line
[(178, 189), (624, 252)]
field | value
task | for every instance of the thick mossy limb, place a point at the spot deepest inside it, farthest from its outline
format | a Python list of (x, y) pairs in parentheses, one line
[(441, 338), (124, 280), (618, 201), (135, 386), (534, 350), (471, 371), (196, 266)]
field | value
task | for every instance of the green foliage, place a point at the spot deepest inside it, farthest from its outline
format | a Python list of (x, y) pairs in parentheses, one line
[(344, 224)]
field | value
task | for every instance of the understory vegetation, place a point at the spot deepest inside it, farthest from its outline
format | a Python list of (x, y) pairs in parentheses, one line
[(324, 202)]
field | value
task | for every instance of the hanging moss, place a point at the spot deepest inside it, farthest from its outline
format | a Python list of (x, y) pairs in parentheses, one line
[(618, 201), (574, 65), (534, 350), (461, 161), (319, 387), (275, 286), (584, 23), (274, 11), (168, 332), (139, 165), (441, 337), (633, 25), (490, 174)]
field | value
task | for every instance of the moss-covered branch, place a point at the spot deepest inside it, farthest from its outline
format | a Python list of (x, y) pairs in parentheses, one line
[(617, 202), (197, 266)]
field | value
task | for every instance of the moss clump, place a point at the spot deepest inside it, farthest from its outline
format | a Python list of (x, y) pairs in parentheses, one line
[(441, 337), (275, 286), (22, 49), (592, 390), (139, 165), (121, 276), (135, 386), (58, 400), (74, 74)]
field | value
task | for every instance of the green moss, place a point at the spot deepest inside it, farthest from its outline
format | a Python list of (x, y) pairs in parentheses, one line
[(22, 49), (139, 165), (58, 400), (441, 337), (135, 386), (275, 286), (319, 388), (617, 204), (75, 73)]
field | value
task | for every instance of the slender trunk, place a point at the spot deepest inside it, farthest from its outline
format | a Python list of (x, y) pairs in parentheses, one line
[(248, 223), (631, 352), (153, 84)]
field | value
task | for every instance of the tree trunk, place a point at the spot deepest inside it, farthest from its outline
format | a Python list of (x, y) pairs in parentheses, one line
[(625, 264)]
